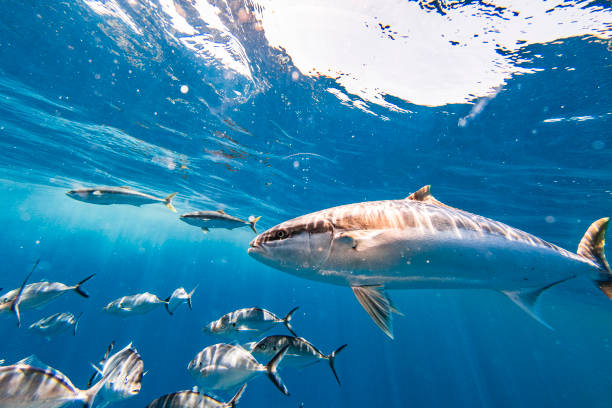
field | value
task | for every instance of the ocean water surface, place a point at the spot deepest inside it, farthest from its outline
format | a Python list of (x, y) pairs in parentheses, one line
[(276, 109)]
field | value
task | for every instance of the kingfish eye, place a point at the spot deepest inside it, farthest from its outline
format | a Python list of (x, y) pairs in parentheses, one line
[(263, 346), (280, 234)]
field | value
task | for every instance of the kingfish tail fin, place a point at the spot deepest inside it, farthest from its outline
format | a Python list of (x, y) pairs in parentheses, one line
[(378, 305), (273, 373), (77, 287), (15, 303), (253, 221), (76, 323), (90, 393), (232, 403), (168, 202), (332, 358), (189, 297), (166, 303), (287, 320), (527, 299)]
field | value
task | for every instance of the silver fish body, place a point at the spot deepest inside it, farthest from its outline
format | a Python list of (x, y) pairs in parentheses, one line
[(247, 323), (118, 195), (419, 242), (225, 367), (123, 372), (217, 219), (55, 324), (178, 297), (138, 304), (194, 399)]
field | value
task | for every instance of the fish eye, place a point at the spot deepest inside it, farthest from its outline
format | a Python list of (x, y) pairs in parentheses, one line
[(280, 234), (234, 324), (263, 346)]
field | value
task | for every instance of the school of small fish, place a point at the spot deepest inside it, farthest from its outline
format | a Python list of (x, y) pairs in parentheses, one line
[(416, 242)]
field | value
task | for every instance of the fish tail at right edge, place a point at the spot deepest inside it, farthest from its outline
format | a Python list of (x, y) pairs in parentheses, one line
[(15, 303), (287, 320), (168, 202), (273, 373), (592, 247), (332, 358)]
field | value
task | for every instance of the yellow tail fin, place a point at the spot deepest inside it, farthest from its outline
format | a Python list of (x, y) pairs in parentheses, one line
[(168, 202)]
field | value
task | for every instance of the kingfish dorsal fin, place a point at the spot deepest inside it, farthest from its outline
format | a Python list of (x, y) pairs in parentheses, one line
[(527, 299), (378, 305), (424, 195), (221, 211)]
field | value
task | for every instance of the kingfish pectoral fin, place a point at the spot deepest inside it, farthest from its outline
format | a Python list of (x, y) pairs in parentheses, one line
[(273, 373), (361, 240), (168, 202), (527, 299), (232, 403), (378, 305), (332, 359)]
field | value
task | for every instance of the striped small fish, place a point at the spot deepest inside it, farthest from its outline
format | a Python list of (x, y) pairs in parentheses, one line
[(194, 399), (419, 242), (138, 304), (56, 324), (247, 323)]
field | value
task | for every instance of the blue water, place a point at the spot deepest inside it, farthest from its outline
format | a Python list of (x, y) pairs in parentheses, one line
[(85, 101)]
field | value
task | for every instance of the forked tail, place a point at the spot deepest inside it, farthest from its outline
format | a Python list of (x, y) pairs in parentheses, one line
[(592, 248), (287, 320), (253, 221), (332, 359), (168, 202), (77, 287), (273, 374)]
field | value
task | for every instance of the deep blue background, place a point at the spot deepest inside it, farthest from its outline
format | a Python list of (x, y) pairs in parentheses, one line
[(66, 121)]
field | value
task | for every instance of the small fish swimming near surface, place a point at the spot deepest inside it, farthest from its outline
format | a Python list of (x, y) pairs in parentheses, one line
[(55, 324), (247, 323), (118, 195), (193, 399), (217, 219), (31, 384), (123, 372), (301, 353), (178, 297), (418, 242), (225, 366), (37, 295), (138, 304)]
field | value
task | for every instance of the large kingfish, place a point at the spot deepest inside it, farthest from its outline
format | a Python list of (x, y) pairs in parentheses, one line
[(418, 242), (118, 195)]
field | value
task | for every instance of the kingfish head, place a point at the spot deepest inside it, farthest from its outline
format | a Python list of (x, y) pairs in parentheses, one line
[(296, 246)]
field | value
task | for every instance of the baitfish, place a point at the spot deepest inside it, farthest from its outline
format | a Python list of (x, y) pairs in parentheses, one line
[(225, 366), (301, 352), (418, 242), (118, 195), (141, 303), (31, 384), (217, 219), (55, 324), (36, 295), (178, 297), (248, 323), (123, 372), (193, 399)]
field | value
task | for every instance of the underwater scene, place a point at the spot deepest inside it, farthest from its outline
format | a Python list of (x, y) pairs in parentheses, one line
[(255, 203)]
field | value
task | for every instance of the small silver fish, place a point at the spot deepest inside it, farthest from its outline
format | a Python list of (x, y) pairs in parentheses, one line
[(118, 195), (138, 304), (249, 322), (178, 297), (225, 366), (217, 219), (193, 399), (37, 295), (25, 385), (123, 372), (55, 324), (301, 352)]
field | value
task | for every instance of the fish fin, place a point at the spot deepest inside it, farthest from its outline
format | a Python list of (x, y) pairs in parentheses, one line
[(77, 287), (232, 403), (424, 194), (189, 297), (332, 358), (168, 202), (204, 230), (33, 361), (249, 345), (15, 303), (90, 394), (166, 302), (361, 240), (287, 320), (97, 193), (527, 299), (220, 211), (253, 221), (592, 247), (378, 305), (76, 324), (245, 329), (273, 373), (126, 187)]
